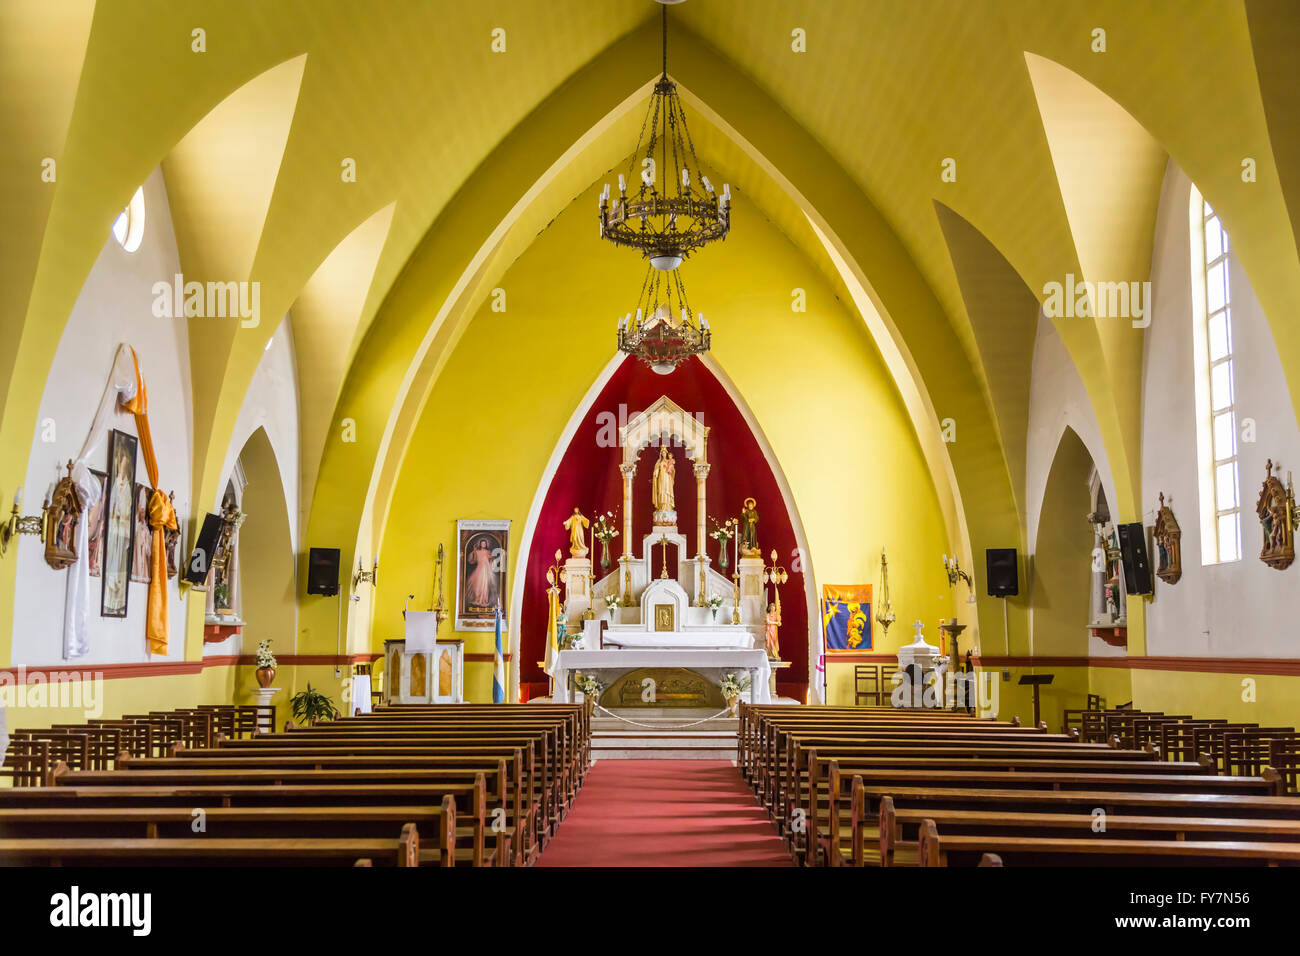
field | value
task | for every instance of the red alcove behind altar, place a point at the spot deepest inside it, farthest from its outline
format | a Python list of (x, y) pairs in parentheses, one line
[(588, 477)]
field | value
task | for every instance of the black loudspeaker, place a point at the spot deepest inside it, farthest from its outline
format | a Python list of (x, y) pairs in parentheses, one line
[(323, 571), (196, 569), (1001, 572), (1133, 550)]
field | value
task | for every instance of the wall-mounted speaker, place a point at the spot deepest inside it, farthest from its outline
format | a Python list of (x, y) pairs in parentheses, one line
[(1133, 551), (1001, 572), (200, 562), (323, 571)]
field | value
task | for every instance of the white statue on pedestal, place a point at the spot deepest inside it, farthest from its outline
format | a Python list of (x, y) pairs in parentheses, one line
[(661, 487)]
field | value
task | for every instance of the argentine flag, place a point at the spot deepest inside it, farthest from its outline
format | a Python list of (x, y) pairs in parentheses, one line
[(499, 668)]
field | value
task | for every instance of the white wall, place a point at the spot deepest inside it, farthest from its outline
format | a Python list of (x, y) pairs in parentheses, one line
[(114, 307), (1242, 608), (1057, 401), (271, 403)]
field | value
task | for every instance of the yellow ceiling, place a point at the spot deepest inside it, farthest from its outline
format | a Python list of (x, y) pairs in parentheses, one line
[(467, 153)]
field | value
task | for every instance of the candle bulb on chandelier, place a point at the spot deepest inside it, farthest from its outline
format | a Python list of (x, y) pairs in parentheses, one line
[(18, 498), (622, 184), (686, 178)]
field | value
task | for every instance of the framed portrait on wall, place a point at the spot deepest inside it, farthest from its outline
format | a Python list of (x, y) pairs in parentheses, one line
[(95, 526), (481, 550), (846, 617), (142, 546), (119, 523)]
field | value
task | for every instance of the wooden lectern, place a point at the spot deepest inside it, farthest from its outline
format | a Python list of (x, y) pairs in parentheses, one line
[(1036, 681)]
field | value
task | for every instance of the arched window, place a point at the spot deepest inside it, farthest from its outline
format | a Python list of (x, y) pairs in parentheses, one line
[(128, 228), (1216, 413)]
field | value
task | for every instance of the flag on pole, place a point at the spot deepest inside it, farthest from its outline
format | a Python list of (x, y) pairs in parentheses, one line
[(552, 632), (499, 667)]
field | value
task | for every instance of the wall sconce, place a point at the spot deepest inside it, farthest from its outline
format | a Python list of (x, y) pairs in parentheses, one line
[(18, 524), (362, 576), (955, 573)]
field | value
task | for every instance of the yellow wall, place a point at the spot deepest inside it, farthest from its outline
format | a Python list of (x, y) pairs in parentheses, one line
[(515, 379)]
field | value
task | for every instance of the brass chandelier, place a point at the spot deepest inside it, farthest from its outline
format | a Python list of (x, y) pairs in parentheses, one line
[(674, 209), (663, 332)]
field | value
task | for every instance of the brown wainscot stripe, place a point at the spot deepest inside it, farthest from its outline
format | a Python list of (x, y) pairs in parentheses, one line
[(1265, 666), (71, 670)]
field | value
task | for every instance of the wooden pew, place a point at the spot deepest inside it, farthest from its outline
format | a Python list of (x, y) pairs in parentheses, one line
[(901, 827), (216, 851), (942, 850), (438, 824), (204, 762)]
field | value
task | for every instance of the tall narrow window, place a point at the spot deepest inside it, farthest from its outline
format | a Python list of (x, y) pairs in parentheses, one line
[(1215, 402)]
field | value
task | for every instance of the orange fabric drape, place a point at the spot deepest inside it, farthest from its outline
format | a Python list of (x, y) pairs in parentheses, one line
[(162, 516)]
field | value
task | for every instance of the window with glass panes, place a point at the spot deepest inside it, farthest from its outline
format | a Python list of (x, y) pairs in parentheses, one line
[(1223, 421)]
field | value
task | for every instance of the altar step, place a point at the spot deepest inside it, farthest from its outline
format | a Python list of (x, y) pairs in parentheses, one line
[(661, 734)]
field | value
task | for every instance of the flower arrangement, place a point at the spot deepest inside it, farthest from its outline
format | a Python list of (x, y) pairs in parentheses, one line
[(589, 685), (713, 602), (602, 529), (612, 601), (722, 533), (264, 656), (732, 686)]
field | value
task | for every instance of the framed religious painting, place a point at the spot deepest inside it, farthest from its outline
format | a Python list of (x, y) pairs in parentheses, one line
[(846, 617), (481, 551), (95, 525), (142, 546), (119, 523)]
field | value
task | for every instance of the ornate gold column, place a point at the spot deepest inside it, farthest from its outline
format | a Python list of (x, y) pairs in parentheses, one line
[(701, 537), (629, 471)]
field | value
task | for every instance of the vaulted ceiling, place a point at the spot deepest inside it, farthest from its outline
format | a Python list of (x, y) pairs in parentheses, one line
[(463, 154)]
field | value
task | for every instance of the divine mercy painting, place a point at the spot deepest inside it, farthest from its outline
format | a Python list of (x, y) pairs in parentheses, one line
[(119, 527), (482, 547)]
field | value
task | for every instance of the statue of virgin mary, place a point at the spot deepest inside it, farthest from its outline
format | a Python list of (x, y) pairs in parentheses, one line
[(661, 482)]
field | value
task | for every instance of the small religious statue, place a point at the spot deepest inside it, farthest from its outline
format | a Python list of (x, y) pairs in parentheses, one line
[(749, 529), (1278, 519), (1167, 535), (661, 487), (771, 623), (576, 525)]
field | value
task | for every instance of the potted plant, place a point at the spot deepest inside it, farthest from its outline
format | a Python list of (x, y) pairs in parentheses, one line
[(732, 687), (310, 706), (713, 603), (266, 664), (604, 531), (612, 602)]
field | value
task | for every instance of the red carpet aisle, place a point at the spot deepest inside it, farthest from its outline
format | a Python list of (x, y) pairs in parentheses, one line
[(665, 813)]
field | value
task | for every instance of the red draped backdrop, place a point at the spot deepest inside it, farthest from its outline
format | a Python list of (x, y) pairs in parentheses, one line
[(588, 478)]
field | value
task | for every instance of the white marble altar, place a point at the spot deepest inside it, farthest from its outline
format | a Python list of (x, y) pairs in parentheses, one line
[(611, 664)]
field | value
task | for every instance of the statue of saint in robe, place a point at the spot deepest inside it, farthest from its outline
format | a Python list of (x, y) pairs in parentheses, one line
[(661, 482), (749, 530), (771, 624), (575, 525)]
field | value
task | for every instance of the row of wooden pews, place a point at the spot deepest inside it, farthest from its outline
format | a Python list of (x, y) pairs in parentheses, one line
[(97, 744), (435, 785), (885, 786), (1232, 747)]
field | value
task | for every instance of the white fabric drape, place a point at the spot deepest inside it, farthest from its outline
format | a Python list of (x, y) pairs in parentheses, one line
[(361, 693), (76, 602), (421, 631)]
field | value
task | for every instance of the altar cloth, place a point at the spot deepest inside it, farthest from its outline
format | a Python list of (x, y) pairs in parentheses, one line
[(708, 663)]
